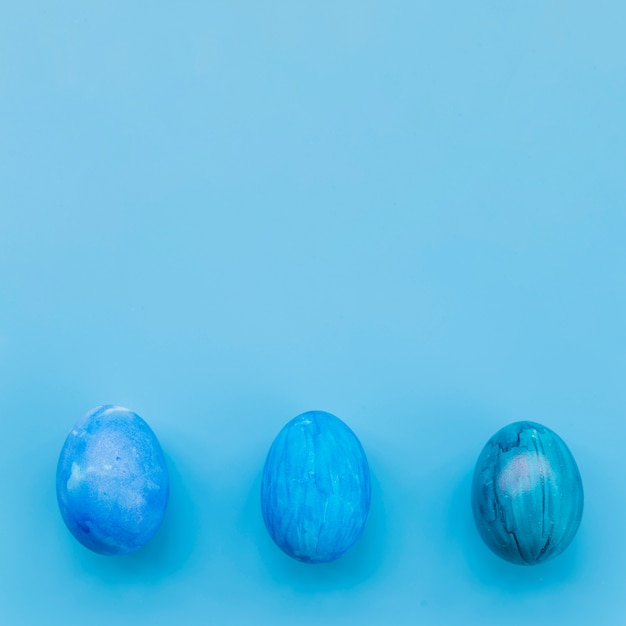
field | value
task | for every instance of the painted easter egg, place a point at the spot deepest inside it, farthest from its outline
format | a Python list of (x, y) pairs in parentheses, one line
[(112, 481), (315, 491), (527, 494)]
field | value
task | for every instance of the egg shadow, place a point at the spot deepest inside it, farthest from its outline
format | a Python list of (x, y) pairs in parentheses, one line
[(353, 569)]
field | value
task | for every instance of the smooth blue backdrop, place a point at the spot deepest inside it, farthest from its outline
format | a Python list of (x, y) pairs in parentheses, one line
[(222, 214)]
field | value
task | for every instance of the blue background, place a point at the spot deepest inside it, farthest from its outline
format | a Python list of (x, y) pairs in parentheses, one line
[(220, 215)]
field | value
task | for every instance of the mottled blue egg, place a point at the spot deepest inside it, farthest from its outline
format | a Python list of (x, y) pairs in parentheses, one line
[(527, 494), (112, 481), (315, 492)]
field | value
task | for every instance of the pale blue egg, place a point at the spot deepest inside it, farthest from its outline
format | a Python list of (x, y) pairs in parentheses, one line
[(112, 481), (527, 494), (315, 492)]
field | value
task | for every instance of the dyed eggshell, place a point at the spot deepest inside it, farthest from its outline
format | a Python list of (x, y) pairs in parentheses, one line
[(527, 494), (315, 492), (112, 481)]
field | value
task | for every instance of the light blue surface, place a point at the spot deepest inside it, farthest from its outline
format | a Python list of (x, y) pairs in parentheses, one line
[(315, 489), (527, 494), (112, 481), (223, 214)]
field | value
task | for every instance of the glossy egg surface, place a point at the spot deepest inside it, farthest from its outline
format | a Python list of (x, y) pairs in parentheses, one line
[(315, 492), (112, 481), (527, 494)]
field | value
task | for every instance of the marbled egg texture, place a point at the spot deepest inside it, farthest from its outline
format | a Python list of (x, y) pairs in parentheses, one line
[(527, 494), (112, 481), (315, 492)]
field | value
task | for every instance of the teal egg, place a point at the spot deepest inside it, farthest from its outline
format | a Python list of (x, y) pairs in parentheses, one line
[(527, 494)]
